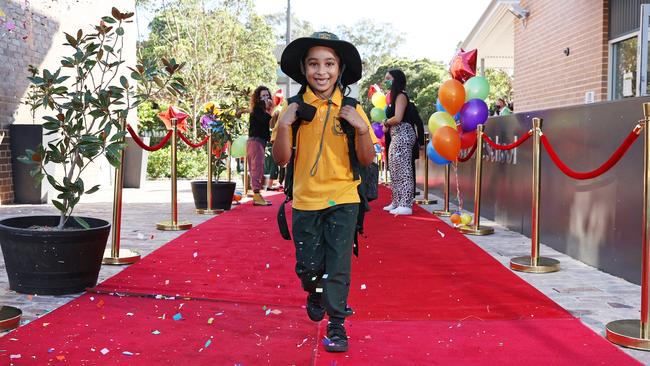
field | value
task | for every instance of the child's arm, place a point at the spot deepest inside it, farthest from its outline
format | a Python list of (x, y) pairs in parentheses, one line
[(365, 138), (282, 141)]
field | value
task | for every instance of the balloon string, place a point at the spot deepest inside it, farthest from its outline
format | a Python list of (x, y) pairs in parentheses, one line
[(459, 197)]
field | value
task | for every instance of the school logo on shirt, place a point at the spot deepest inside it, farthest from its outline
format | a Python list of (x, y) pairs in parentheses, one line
[(337, 130)]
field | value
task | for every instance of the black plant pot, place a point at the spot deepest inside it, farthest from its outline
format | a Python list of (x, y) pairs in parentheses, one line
[(26, 189), (52, 262), (222, 193)]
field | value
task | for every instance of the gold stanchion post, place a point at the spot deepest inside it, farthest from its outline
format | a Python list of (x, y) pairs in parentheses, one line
[(635, 333), (445, 211), (476, 228), (117, 255), (534, 263), (426, 200), (173, 224), (208, 210)]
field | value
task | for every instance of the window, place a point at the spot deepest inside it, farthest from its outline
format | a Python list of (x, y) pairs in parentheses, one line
[(624, 68)]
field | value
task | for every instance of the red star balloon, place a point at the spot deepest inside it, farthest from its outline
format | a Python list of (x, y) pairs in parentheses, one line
[(278, 97), (372, 90), (173, 112), (463, 65)]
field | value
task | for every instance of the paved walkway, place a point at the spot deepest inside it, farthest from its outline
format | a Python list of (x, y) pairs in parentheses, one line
[(593, 296)]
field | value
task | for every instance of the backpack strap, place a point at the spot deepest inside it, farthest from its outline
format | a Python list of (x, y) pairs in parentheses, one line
[(288, 176)]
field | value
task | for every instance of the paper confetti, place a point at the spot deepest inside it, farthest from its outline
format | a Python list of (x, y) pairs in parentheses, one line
[(127, 353), (60, 358), (331, 203), (363, 286), (267, 266), (100, 303), (50, 350), (177, 316), (195, 254), (10, 25), (210, 321), (155, 332), (15, 356), (207, 343), (441, 233), (104, 351)]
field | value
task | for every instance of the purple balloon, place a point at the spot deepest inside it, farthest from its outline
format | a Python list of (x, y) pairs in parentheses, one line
[(473, 113), (376, 127)]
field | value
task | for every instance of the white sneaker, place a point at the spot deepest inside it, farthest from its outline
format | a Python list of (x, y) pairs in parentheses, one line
[(389, 207), (402, 211)]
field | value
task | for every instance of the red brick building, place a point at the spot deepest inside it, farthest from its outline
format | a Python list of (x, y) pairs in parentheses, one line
[(564, 52)]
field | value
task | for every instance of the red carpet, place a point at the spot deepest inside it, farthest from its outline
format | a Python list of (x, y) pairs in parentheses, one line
[(420, 299)]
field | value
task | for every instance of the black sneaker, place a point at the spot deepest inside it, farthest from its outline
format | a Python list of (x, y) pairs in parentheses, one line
[(315, 308), (337, 339)]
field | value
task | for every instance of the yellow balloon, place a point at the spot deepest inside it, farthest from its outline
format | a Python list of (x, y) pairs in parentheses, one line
[(440, 119), (379, 100), (465, 219)]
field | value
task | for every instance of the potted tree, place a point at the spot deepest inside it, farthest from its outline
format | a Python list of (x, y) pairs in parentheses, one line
[(62, 254), (224, 123)]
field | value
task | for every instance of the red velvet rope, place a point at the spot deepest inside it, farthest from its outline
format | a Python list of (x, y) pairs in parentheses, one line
[(469, 155), (506, 147), (618, 154), (193, 145), (144, 146)]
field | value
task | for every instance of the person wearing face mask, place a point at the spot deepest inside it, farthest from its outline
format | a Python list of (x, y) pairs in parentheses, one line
[(259, 135), (400, 148)]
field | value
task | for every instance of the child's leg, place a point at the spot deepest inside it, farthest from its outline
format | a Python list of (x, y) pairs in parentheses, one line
[(339, 226), (307, 230)]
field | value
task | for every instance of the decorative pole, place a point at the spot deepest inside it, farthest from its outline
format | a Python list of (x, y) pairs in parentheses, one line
[(426, 200), (476, 228), (534, 263), (117, 255), (635, 333), (208, 210), (174, 225), (445, 211)]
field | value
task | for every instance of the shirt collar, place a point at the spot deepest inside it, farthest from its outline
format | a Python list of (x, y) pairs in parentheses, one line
[(310, 98)]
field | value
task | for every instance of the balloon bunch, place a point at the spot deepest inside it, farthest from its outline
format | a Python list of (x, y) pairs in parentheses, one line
[(460, 219), (378, 112), (460, 99)]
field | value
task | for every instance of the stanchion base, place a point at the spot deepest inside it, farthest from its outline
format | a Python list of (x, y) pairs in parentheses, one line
[(170, 226), (481, 230), (627, 333), (426, 202), (125, 256), (544, 265), (9, 317), (442, 213), (205, 211)]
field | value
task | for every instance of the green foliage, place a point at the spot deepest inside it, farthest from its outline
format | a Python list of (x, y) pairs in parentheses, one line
[(423, 79), (87, 113), (224, 45), (148, 119), (191, 163), (500, 86)]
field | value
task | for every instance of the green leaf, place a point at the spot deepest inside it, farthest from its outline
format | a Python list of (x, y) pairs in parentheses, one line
[(119, 31), (108, 20), (72, 41), (93, 189), (59, 206), (124, 81), (81, 222)]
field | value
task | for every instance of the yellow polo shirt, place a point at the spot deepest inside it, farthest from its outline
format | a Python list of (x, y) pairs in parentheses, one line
[(328, 182)]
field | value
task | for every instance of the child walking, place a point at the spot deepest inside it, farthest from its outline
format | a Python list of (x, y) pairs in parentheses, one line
[(325, 197)]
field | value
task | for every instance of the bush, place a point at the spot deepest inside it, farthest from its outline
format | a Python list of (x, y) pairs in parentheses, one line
[(191, 163)]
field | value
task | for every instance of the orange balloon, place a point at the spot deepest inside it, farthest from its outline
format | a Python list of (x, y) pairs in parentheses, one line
[(452, 96), (455, 218), (446, 141)]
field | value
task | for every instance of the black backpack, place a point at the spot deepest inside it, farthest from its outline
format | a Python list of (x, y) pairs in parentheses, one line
[(367, 189), (413, 116)]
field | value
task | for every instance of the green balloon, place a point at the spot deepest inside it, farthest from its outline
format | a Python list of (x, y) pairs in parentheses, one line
[(440, 119), (476, 88), (238, 148), (377, 114)]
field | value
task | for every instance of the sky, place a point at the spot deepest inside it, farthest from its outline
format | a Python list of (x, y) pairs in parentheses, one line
[(431, 28)]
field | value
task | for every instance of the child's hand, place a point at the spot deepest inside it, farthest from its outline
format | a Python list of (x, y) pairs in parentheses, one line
[(289, 115), (351, 115)]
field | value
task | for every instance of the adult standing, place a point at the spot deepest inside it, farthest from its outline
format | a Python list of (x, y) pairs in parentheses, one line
[(259, 135), (400, 151)]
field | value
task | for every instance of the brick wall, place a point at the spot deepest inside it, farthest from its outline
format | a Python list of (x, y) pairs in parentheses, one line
[(38, 40), (544, 76)]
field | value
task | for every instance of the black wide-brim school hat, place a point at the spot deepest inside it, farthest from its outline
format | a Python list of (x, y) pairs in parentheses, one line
[(294, 54)]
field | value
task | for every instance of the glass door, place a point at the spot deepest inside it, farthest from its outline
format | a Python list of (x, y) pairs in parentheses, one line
[(643, 78)]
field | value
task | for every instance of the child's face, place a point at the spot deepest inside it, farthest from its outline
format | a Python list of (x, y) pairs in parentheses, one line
[(322, 69)]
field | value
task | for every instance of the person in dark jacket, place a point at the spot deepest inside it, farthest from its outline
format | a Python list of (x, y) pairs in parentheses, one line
[(259, 135)]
